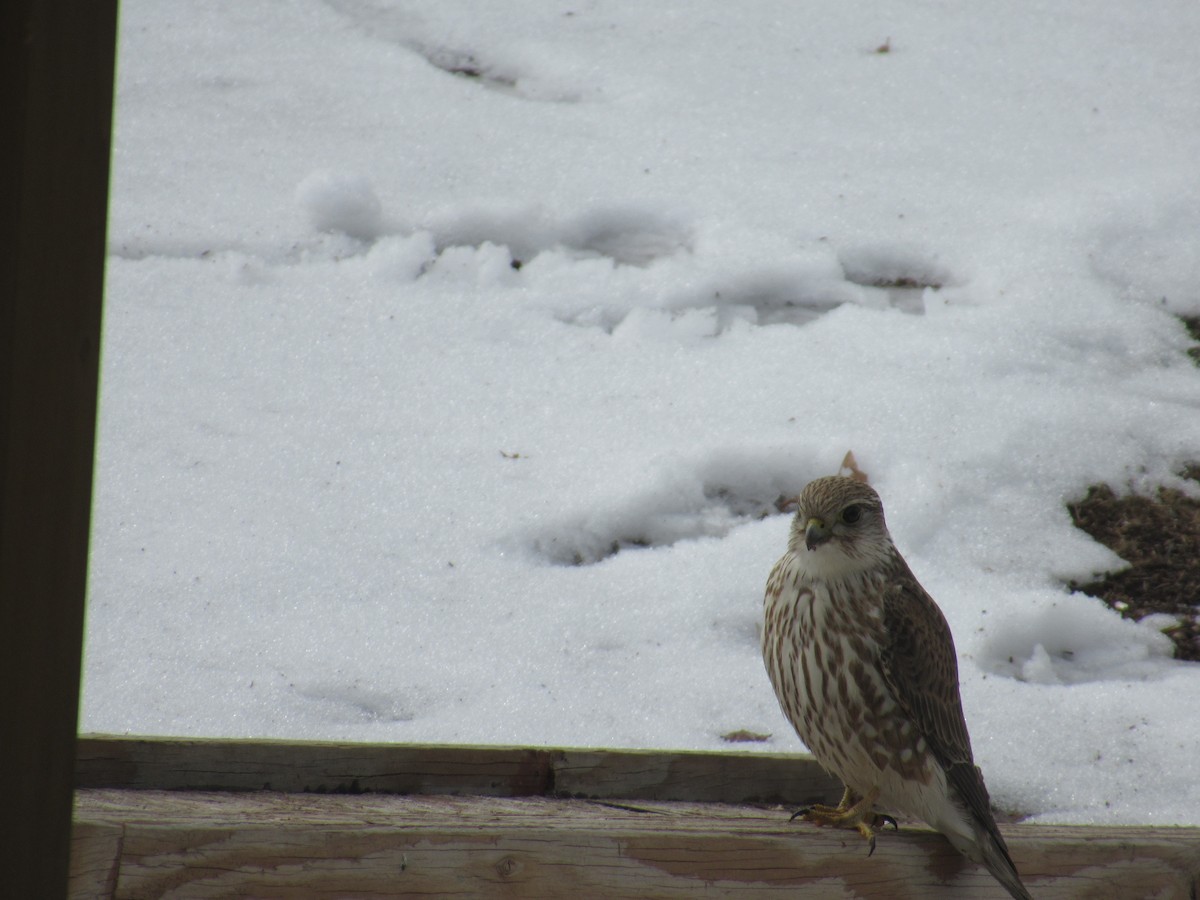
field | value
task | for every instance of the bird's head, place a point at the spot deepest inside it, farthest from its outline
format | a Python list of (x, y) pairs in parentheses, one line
[(839, 528)]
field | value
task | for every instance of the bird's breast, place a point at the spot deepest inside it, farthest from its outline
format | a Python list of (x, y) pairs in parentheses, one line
[(822, 648)]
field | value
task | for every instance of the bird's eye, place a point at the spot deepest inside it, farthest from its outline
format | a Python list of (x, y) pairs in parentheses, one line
[(851, 514)]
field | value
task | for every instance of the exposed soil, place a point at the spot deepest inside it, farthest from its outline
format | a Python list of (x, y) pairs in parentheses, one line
[(1159, 537), (1193, 326)]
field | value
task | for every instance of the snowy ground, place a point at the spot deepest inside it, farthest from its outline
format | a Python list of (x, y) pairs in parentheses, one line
[(417, 311)]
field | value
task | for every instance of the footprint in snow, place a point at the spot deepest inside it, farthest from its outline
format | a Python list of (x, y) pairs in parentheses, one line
[(790, 292), (527, 73)]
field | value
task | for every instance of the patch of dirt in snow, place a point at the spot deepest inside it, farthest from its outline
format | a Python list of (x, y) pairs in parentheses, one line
[(1159, 537)]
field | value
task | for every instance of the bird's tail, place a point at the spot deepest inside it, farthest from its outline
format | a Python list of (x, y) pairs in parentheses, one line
[(973, 830), (982, 842), (999, 863)]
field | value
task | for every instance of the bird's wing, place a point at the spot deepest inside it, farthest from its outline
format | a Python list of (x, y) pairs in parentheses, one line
[(921, 668)]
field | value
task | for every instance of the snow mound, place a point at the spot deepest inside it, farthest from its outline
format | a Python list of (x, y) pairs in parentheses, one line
[(341, 202), (1156, 257), (1075, 641), (627, 235)]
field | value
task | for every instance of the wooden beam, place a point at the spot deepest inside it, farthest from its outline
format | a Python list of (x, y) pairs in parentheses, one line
[(143, 844), (536, 822), (56, 82), (320, 767)]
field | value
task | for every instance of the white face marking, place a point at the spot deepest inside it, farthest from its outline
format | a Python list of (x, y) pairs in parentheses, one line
[(831, 562)]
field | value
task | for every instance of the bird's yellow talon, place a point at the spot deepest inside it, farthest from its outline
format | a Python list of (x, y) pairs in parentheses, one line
[(853, 813)]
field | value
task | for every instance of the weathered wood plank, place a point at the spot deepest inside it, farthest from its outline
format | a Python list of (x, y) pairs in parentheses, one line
[(95, 858), (281, 845), (697, 777), (319, 767), (312, 767)]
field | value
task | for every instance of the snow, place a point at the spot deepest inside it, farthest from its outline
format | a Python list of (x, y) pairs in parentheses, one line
[(416, 312), (341, 202)]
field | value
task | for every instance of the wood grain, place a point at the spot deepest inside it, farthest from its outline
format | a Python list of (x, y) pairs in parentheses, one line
[(319, 767), (270, 845)]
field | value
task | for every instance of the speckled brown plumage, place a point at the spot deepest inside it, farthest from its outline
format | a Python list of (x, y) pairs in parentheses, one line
[(864, 667)]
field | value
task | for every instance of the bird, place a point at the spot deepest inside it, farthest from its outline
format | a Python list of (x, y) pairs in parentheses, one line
[(864, 667)]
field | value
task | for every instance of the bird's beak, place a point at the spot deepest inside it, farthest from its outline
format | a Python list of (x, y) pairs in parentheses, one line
[(816, 533)]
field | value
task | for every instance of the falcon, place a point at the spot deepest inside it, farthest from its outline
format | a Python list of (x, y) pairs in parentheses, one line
[(864, 667)]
